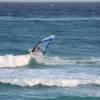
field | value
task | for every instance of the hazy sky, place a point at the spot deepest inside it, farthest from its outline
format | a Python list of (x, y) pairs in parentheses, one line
[(47, 0)]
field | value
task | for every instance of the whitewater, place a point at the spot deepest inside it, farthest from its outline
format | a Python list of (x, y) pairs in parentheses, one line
[(23, 60), (47, 77), (49, 82)]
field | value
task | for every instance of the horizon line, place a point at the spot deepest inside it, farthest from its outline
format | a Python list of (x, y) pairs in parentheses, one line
[(48, 1)]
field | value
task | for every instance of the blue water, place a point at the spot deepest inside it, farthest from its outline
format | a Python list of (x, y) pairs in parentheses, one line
[(70, 69)]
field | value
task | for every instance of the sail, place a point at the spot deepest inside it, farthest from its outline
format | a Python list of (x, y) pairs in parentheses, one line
[(44, 43)]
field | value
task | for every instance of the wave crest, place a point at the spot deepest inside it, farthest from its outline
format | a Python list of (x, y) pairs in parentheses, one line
[(49, 82), (10, 18)]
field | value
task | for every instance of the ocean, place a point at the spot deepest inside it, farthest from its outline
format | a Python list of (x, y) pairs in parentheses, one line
[(71, 66)]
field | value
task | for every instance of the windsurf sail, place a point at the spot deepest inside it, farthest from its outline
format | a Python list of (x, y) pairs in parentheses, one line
[(44, 44)]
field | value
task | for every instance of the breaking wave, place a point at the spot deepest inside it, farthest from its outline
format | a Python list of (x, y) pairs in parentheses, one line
[(49, 82), (14, 61), (22, 60)]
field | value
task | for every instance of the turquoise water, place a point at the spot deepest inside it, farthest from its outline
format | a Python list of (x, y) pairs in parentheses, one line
[(71, 66)]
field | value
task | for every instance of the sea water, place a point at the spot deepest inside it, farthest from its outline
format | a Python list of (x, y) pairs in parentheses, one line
[(71, 66)]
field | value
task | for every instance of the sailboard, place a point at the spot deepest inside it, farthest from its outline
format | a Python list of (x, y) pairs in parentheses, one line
[(42, 45)]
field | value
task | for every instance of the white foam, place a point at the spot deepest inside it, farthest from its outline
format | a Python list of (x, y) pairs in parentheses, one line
[(38, 57), (49, 82), (14, 61), (67, 61)]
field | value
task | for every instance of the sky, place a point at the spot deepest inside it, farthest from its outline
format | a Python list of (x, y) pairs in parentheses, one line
[(49, 0)]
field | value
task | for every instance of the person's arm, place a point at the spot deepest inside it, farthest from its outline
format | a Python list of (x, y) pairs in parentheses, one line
[(33, 49), (35, 46)]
